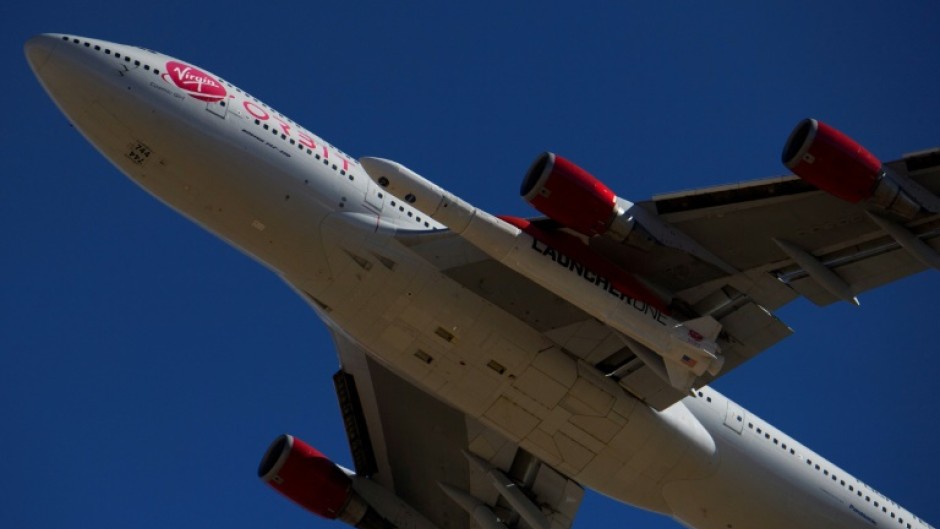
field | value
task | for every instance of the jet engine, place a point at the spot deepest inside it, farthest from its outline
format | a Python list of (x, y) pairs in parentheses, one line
[(572, 197), (568, 194), (835, 163), (309, 479), (576, 199)]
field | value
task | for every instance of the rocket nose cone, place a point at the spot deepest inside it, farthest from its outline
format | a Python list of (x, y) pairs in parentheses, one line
[(38, 49)]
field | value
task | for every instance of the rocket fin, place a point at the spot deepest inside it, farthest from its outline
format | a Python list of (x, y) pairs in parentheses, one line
[(706, 326), (680, 376)]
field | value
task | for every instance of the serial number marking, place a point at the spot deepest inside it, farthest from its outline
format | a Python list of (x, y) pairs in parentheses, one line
[(139, 153)]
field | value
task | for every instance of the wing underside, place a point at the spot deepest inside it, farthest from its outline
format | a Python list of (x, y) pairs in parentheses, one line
[(777, 239), (417, 447), (774, 240)]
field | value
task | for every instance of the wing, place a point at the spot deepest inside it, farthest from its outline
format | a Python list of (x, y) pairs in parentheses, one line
[(764, 243), (415, 446), (767, 229)]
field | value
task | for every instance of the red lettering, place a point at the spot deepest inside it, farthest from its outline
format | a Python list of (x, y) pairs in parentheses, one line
[(302, 137), (255, 110), (306, 141)]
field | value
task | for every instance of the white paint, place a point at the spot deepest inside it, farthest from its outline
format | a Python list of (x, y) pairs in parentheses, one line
[(323, 236)]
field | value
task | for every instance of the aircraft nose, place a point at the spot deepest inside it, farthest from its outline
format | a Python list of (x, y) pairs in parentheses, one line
[(69, 70), (38, 49)]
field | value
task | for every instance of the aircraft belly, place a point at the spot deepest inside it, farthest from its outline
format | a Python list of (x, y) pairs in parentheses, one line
[(489, 364), (757, 485), (743, 498)]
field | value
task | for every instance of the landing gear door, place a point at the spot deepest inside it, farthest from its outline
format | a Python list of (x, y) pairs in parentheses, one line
[(734, 417)]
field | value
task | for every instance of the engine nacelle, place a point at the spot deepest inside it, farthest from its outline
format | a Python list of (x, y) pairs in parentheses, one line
[(837, 164), (575, 199), (569, 195), (309, 479)]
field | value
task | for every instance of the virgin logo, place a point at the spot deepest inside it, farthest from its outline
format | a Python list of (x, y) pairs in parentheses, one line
[(195, 82)]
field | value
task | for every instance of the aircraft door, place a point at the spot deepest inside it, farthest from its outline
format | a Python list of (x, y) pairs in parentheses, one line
[(734, 417), (219, 108), (374, 200)]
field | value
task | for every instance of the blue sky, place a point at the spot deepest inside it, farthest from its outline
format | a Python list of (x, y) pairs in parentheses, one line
[(145, 365)]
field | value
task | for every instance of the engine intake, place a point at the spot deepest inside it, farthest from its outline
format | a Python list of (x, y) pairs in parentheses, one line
[(837, 164), (568, 194), (831, 161), (309, 479)]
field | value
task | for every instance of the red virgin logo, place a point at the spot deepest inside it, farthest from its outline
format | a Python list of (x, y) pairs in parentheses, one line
[(195, 82)]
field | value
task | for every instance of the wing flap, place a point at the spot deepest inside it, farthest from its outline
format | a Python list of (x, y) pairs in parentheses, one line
[(751, 329), (865, 265), (650, 388)]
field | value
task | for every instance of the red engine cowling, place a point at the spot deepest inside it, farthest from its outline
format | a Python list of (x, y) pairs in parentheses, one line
[(300, 472), (569, 195), (309, 479), (832, 161)]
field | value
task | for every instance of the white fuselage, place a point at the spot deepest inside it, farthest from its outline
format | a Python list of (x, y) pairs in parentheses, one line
[(310, 213)]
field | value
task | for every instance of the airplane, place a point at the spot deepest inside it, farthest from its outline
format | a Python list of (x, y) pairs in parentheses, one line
[(493, 367)]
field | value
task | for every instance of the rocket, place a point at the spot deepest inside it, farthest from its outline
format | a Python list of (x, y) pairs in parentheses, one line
[(558, 261)]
